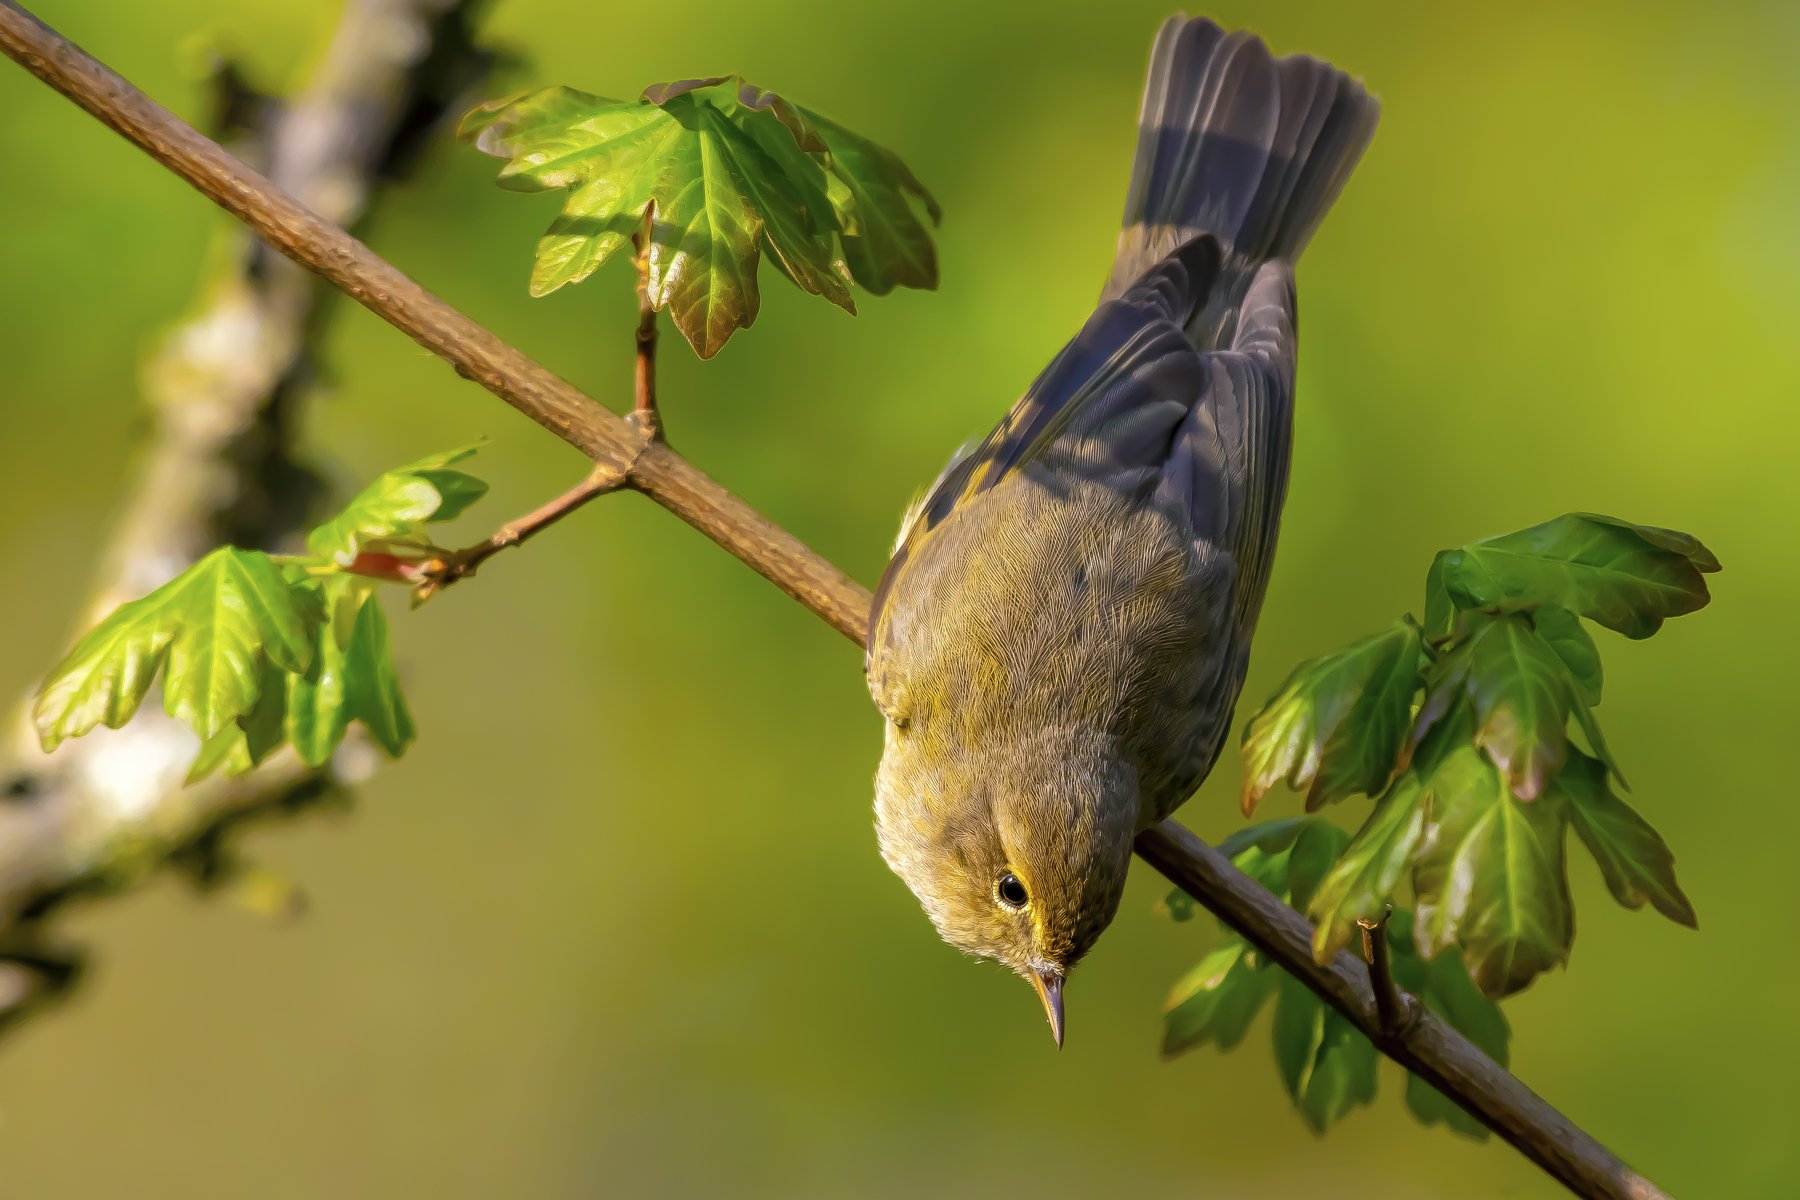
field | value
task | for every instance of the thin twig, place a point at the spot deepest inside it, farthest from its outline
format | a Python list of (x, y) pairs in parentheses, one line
[(643, 409), (1391, 1007), (439, 573), (1430, 1048)]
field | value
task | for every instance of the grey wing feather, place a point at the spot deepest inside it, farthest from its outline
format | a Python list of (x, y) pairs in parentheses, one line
[(1133, 403)]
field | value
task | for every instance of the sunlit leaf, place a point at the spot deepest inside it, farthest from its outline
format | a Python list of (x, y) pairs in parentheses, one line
[(1337, 724), (1358, 886), (1636, 863), (209, 630), (1491, 876), (713, 172), (1629, 578), (351, 678), (372, 690), (397, 505)]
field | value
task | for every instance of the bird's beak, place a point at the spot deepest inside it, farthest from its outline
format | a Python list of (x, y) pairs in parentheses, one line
[(1049, 985)]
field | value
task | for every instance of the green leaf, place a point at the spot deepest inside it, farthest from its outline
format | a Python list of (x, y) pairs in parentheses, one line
[(228, 748), (1629, 578), (885, 244), (1590, 729), (317, 716), (1338, 723), (1359, 885), (1491, 875), (1216, 1001), (397, 505), (1326, 1063), (715, 171), (1267, 836), (262, 726), (372, 690), (1313, 854), (1636, 863), (351, 678), (1520, 692), (209, 630), (1440, 610), (1569, 640)]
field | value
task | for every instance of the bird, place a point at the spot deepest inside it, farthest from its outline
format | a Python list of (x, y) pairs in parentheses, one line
[(1059, 638)]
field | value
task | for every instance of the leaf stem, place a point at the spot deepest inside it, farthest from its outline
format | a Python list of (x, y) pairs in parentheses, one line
[(644, 410), (436, 574)]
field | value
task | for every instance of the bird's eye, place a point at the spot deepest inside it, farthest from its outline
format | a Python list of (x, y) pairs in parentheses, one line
[(1011, 892)]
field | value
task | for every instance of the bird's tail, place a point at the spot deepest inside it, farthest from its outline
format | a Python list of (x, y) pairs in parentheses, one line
[(1239, 144)]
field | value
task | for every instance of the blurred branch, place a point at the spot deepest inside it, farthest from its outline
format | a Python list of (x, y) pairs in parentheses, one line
[(1429, 1047), (222, 391)]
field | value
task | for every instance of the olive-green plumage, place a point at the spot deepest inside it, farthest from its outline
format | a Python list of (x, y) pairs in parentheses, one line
[(1059, 640)]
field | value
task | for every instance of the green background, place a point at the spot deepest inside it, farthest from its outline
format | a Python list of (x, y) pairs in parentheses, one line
[(617, 925)]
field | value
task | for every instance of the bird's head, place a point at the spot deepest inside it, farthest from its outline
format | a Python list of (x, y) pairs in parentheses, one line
[(1017, 846)]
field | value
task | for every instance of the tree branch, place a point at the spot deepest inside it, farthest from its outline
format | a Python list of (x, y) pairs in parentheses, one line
[(1429, 1047)]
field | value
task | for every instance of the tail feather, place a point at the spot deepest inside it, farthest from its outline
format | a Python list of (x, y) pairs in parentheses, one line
[(1237, 143)]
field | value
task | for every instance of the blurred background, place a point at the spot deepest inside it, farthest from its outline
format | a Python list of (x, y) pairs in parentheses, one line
[(617, 925)]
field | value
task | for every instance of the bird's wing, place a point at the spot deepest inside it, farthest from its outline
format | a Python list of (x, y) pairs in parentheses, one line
[(1133, 403)]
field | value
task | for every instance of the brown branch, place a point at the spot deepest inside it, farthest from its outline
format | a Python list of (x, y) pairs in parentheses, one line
[(1429, 1047)]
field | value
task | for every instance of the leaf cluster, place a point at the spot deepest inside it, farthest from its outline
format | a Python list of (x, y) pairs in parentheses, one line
[(1326, 1064), (1465, 733), (706, 175), (256, 651)]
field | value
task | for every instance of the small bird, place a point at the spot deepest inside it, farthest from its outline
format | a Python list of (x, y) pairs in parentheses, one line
[(1060, 637)]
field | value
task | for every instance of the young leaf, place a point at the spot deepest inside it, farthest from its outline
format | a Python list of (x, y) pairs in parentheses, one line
[(397, 504), (885, 244), (1267, 836), (212, 627), (1633, 858), (1520, 691), (1440, 609), (351, 678), (717, 170), (1629, 578), (1358, 886), (371, 689), (1216, 1001), (1569, 640), (1313, 854), (1492, 875), (1338, 722), (1326, 1063)]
